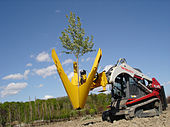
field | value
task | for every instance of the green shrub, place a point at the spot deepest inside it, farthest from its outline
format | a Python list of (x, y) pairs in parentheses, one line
[(73, 113), (92, 112)]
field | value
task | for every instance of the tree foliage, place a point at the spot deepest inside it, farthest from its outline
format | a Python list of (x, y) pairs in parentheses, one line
[(73, 38)]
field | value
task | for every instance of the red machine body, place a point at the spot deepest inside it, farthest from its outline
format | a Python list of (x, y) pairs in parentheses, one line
[(133, 93)]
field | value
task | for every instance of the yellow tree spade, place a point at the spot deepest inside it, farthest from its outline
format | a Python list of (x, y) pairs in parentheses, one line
[(75, 42)]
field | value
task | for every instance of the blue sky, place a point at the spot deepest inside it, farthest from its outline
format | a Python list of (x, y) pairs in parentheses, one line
[(133, 29)]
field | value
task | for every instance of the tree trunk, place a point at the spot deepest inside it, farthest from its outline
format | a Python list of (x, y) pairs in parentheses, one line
[(25, 114), (30, 105), (78, 76), (78, 70), (38, 110), (9, 115), (42, 111), (46, 111), (19, 115), (35, 111), (49, 107), (52, 111)]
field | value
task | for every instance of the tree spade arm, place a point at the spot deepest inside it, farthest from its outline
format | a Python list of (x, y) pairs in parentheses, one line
[(69, 87)]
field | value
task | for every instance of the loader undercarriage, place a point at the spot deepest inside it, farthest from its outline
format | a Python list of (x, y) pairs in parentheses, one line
[(141, 110), (124, 91)]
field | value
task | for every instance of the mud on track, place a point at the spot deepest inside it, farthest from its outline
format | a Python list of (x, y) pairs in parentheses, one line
[(158, 121)]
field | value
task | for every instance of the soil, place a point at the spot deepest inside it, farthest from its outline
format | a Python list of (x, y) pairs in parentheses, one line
[(157, 121)]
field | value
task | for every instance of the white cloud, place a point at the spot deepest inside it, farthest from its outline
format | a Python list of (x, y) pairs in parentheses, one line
[(88, 59), (167, 83), (29, 65), (48, 71), (70, 75), (13, 76), (82, 60), (43, 57), (17, 75), (107, 67), (13, 88), (58, 11), (26, 73), (67, 61), (31, 56), (41, 85), (96, 90), (47, 97)]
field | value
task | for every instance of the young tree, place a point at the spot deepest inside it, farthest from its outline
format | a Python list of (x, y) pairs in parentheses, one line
[(74, 41), (3, 115)]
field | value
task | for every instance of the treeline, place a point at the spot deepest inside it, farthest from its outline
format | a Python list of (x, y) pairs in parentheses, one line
[(168, 99), (12, 113)]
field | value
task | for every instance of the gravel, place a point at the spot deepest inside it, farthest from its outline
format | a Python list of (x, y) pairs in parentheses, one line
[(157, 121)]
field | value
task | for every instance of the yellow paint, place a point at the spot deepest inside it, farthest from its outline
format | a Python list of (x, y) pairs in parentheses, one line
[(69, 87), (74, 79), (77, 94), (101, 81)]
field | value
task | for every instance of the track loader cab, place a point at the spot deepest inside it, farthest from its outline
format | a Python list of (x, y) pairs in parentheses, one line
[(133, 94), (124, 90)]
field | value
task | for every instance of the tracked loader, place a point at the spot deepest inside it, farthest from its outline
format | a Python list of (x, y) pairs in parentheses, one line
[(133, 94)]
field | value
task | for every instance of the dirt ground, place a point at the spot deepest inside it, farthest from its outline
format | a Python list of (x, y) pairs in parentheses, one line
[(158, 121)]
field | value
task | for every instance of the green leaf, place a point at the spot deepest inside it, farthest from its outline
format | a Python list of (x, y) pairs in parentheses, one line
[(73, 38)]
